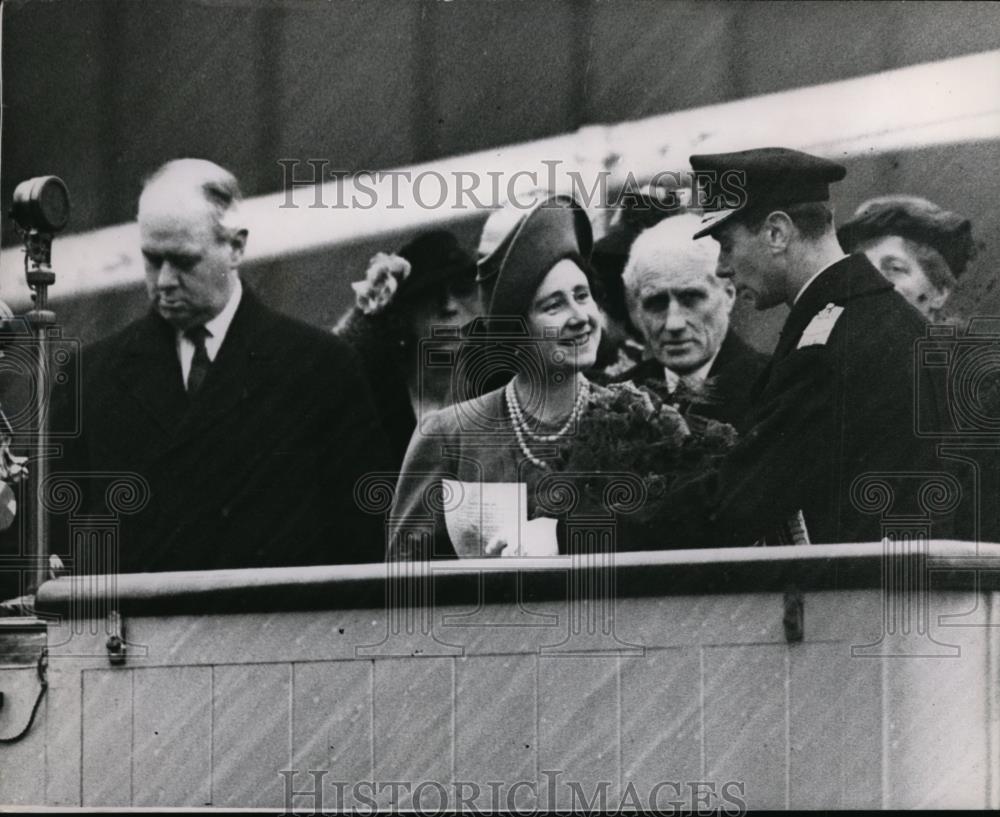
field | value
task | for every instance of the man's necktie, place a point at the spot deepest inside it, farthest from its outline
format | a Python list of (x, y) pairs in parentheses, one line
[(200, 361)]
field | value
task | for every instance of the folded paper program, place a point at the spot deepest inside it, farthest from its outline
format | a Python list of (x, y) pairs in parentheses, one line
[(487, 518)]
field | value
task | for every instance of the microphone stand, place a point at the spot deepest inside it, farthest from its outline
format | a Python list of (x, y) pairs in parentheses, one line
[(39, 275), (41, 209)]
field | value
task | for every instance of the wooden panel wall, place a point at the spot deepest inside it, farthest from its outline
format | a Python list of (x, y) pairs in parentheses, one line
[(211, 710)]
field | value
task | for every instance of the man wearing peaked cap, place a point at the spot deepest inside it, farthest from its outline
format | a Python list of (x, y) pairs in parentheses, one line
[(754, 180), (837, 403)]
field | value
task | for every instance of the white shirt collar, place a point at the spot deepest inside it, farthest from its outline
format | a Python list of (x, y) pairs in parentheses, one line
[(695, 378), (816, 275), (218, 327)]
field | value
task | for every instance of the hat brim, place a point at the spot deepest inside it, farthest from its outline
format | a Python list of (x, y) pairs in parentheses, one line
[(710, 222), (556, 228)]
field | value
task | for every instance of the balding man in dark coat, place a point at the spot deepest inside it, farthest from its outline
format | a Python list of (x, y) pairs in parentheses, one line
[(248, 429)]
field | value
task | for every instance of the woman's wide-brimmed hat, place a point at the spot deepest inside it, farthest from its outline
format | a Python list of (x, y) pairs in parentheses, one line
[(436, 258), (553, 229)]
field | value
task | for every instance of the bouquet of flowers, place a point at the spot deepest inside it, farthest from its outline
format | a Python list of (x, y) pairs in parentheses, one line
[(633, 429)]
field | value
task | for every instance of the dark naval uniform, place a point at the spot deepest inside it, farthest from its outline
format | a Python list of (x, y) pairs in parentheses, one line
[(833, 452), (833, 429)]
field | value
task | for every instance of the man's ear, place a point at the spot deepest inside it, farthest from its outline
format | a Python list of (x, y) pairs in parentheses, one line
[(778, 227), (729, 290), (237, 246)]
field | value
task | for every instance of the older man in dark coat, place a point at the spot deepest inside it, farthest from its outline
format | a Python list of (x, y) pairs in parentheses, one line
[(833, 453), (248, 430), (682, 309)]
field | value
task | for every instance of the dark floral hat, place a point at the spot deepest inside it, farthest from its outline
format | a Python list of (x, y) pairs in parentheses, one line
[(435, 258)]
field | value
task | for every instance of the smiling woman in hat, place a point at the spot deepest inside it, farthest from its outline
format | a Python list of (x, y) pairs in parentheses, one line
[(469, 478), (429, 287)]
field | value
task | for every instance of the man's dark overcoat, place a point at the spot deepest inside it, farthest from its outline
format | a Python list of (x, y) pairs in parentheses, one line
[(834, 422), (258, 469)]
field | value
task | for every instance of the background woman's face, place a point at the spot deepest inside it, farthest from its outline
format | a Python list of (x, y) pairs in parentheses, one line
[(893, 258), (564, 311), (453, 305)]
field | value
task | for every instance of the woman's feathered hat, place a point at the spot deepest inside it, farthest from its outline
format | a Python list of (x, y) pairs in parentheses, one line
[(554, 228)]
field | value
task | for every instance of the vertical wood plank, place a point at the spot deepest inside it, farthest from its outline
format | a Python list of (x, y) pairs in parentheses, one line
[(834, 728), (661, 723), (251, 712), (107, 738), (331, 731), (172, 736), (937, 716), (992, 602), (496, 735), (63, 737), (578, 711), (414, 712), (745, 721)]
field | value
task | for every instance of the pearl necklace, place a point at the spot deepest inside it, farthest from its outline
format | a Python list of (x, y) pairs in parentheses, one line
[(520, 424)]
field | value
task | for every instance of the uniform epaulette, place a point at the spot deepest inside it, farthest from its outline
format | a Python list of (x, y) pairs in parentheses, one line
[(820, 327)]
